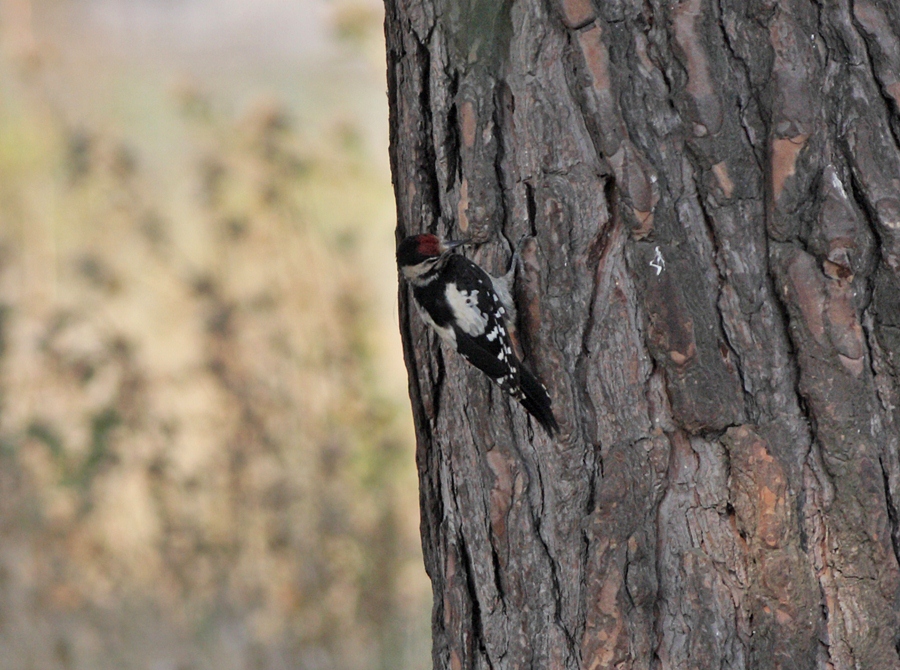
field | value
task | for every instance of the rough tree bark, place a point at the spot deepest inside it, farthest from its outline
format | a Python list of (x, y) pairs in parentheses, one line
[(711, 293)]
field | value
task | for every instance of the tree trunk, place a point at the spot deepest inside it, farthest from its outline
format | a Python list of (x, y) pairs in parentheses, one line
[(710, 292)]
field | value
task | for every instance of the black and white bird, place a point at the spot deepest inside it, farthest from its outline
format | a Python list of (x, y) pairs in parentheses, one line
[(471, 312)]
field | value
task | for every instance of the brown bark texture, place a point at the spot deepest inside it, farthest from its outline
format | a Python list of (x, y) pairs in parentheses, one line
[(710, 191)]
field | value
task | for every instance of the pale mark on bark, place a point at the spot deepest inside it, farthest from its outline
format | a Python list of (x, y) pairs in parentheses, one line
[(658, 263), (720, 170), (784, 160)]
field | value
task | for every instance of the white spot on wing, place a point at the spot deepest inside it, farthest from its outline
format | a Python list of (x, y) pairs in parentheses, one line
[(464, 305)]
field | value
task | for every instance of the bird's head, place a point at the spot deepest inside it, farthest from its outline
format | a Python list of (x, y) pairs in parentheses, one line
[(419, 257)]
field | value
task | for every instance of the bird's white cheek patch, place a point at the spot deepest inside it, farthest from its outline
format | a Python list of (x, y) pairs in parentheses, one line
[(464, 305), (415, 274)]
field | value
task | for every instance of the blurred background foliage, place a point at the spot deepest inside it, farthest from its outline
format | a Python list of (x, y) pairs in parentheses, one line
[(206, 458)]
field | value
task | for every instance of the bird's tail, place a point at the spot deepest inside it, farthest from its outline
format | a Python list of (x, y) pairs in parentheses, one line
[(536, 401)]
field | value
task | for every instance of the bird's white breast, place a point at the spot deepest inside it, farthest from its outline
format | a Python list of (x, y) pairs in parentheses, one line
[(446, 333)]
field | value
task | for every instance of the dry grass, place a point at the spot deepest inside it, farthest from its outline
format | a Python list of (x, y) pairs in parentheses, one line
[(199, 467)]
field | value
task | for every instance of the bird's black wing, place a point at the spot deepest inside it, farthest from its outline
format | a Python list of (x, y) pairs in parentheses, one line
[(513, 377), (491, 351)]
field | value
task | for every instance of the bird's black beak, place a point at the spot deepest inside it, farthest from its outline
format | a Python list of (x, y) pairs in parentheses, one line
[(450, 245)]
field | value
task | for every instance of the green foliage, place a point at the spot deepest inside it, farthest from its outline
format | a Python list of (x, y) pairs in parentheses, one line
[(44, 433)]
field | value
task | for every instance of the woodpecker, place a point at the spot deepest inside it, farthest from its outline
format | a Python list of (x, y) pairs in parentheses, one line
[(471, 312)]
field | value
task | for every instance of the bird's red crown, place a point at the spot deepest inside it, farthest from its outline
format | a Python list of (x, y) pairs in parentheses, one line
[(429, 245)]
